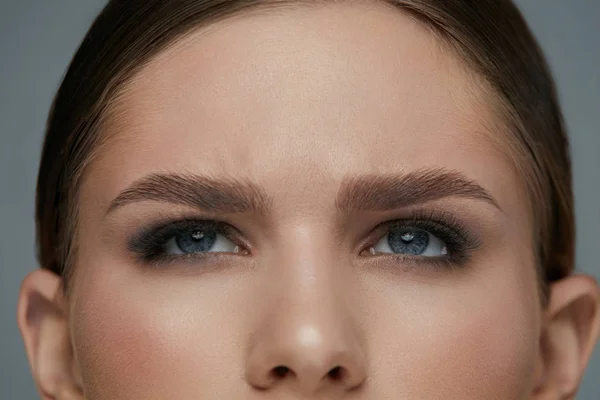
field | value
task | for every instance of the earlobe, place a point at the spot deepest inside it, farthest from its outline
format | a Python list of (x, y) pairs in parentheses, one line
[(43, 321), (571, 329)]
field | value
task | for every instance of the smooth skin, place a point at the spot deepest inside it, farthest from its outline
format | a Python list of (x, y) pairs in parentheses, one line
[(298, 103)]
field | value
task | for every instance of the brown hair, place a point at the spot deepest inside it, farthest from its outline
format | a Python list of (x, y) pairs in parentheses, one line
[(491, 36)]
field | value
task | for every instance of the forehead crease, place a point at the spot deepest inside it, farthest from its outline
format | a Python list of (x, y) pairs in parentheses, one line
[(263, 102)]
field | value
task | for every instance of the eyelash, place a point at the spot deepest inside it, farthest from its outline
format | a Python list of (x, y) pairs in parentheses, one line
[(148, 244), (459, 240)]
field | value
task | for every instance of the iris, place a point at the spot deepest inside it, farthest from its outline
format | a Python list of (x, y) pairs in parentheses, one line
[(412, 242), (196, 241)]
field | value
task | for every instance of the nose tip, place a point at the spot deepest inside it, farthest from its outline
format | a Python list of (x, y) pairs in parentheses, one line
[(310, 361)]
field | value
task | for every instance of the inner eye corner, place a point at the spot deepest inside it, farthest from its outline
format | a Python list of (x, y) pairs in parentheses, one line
[(243, 251)]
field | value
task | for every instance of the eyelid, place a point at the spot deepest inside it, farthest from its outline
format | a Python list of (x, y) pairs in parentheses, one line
[(159, 233), (432, 222)]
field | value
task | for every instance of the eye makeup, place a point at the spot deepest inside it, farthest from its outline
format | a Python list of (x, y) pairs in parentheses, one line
[(153, 245), (459, 241)]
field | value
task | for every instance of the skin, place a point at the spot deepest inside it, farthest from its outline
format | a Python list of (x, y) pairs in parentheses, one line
[(298, 102)]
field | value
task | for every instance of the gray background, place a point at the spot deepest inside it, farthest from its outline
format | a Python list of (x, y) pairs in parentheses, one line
[(38, 38)]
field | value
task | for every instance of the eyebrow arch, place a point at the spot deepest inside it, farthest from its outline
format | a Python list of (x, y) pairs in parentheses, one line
[(375, 192), (202, 192)]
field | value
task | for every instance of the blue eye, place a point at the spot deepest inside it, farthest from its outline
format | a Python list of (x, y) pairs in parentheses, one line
[(410, 241), (195, 241), (199, 241), (184, 238)]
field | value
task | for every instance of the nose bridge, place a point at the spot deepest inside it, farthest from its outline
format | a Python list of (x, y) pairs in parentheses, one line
[(308, 266), (306, 336), (310, 282)]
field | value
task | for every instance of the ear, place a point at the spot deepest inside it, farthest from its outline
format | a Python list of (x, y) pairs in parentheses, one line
[(570, 331), (42, 316)]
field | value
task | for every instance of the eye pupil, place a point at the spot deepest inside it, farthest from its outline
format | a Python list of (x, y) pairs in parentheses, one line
[(197, 235), (196, 241), (407, 237), (413, 242)]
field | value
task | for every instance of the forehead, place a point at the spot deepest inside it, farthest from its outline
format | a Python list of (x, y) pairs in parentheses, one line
[(306, 93)]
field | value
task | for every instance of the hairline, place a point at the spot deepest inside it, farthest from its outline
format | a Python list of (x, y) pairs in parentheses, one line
[(108, 104)]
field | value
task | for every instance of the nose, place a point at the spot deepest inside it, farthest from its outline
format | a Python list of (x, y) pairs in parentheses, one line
[(309, 360), (306, 340), (308, 354)]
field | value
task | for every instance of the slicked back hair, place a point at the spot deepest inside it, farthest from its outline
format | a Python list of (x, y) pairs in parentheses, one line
[(489, 36)]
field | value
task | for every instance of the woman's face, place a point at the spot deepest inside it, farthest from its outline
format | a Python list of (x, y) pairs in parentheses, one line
[(372, 241)]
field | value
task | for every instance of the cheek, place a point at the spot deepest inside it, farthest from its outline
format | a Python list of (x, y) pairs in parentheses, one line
[(136, 338), (488, 351), (459, 343)]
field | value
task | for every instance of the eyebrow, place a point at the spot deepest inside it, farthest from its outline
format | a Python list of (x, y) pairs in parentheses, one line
[(384, 192), (220, 195), (371, 192)]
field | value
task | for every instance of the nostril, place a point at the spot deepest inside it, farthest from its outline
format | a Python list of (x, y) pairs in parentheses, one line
[(335, 373), (280, 371)]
